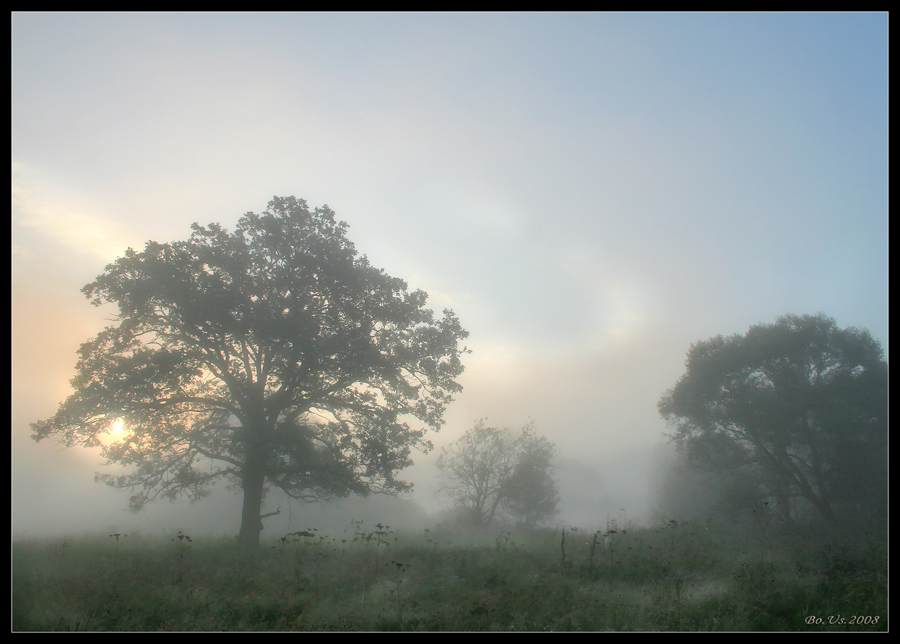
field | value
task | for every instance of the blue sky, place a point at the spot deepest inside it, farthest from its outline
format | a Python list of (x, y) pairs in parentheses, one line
[(590, 193)]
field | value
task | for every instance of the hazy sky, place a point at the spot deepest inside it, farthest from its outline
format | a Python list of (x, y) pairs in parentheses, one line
[(590, 193)]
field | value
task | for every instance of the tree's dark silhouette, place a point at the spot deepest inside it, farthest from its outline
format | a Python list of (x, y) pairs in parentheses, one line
[(494, 473), (274, 356), (800, 405)]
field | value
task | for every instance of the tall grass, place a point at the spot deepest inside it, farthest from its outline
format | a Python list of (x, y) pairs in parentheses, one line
[(676, 576)]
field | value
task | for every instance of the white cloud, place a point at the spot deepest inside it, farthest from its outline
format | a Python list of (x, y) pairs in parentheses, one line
[(36, 209)]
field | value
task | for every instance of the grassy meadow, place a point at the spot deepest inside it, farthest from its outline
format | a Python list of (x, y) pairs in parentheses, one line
[(672, 577)]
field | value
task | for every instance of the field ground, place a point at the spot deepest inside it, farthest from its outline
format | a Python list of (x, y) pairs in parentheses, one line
[(675, 577)]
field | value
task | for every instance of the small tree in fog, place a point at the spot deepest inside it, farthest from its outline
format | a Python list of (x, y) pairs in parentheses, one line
[(494, 473), (274, 356), (800, 406)]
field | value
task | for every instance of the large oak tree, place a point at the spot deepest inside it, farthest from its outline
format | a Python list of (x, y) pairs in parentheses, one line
[(274, 356), (799, 405)]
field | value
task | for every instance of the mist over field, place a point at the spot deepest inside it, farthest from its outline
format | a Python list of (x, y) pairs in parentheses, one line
[(590, 495), (591, 194), (634, 230)]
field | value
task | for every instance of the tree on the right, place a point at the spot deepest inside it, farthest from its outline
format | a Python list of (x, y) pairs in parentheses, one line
[(798, 406)]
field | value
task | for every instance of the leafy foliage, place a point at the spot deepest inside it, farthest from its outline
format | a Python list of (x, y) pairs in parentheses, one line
[(274, 356), (492, 472), (799, 406)]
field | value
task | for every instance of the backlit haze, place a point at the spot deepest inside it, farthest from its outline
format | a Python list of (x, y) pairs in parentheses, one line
[(590, 194)]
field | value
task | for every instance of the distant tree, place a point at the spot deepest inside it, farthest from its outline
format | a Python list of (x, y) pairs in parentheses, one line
[(497, 473), (799, 405), (274, 356), (531, 493)]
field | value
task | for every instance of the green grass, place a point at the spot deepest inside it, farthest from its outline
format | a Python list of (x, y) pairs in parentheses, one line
[(672, 577)]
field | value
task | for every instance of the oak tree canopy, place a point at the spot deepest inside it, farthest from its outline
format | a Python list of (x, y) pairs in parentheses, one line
[(274, 356)]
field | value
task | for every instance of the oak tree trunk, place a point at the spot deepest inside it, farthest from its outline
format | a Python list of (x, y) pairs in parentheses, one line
[(251, 523)]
